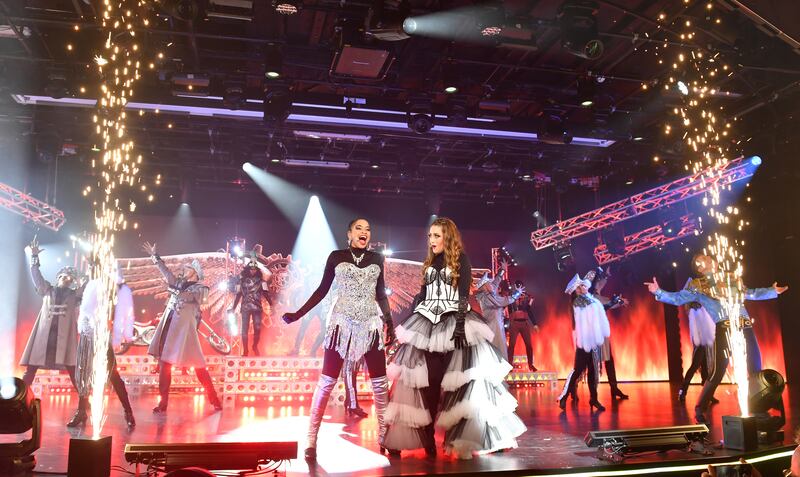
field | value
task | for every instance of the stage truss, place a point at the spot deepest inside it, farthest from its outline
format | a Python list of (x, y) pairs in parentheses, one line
[(32, 209), (639, 204), (648, 238)]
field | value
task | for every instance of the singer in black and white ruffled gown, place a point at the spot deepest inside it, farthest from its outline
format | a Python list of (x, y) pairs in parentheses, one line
[(445, 370)]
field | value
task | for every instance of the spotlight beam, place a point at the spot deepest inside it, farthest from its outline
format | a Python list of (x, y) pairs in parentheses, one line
[(288, 197)]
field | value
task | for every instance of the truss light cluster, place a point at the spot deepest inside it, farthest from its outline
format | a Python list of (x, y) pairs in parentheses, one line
[(648, 238)]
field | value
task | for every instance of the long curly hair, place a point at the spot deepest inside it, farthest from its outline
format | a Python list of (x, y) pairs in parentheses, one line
[(453, 247)]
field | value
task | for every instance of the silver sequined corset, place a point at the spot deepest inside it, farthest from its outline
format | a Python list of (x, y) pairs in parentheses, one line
[(440, 295), (355, 322), (355, 297)]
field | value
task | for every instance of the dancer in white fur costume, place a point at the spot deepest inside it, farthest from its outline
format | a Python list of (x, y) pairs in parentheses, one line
[(591, 331), (446, 370), (701, 331)]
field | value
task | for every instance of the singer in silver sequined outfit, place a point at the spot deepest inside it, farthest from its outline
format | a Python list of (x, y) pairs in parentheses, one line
[(356, 325)]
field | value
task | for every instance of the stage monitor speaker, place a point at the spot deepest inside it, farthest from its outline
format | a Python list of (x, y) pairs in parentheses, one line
[(212, 455), (89, 457), (740, 433)]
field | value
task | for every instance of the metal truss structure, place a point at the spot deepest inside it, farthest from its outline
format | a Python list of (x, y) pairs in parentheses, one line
[(656, 198), (648, 238), (31, 208)]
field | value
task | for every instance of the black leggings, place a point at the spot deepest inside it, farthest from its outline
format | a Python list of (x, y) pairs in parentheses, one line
[(247, 317), (699, 361), (721, 352), (375, 358), (116, 383), (584, 361)]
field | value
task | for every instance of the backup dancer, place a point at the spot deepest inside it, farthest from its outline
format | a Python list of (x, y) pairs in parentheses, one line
[(355, 327), (591, 329), (53, 343), (701, 332), (88, 322), (704, 291), (446, 370), (522, 322), (492, 306), (252, 288), (599, 278), (176, 342)]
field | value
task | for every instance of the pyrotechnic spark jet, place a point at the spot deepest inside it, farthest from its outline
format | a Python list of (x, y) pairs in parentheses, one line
[(708, 137), (118, 65)]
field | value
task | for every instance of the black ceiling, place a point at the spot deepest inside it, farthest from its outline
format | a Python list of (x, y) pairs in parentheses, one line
[(518, 80)]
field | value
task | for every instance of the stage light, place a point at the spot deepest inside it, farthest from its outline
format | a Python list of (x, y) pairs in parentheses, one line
[(578, 22), (491, 20), (388, 252), (277, 102), (755, 160), (420, 123), (273, 61), (286, 7), (450, 77), (410, 26), (614, 445), (233, 98), (20, 411), (185, 10), (563, 255), (586, 92), (765, 393), (212, 455), (386, 20), (683, 88), (374, 164), (553, 131)]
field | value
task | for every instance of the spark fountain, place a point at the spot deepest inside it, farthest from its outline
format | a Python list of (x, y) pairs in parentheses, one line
[(693, 75)]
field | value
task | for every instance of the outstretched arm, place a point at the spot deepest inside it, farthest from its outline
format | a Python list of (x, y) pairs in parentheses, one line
[(43, 287), (671, 298), (764, 293), (319, 293)]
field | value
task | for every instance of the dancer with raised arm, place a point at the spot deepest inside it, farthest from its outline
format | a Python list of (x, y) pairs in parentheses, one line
[(53, 343), (599, 278), (591, 330), (252, 288), (704, 290), (446, 370), (355, 327), (492, 306), (522, 322), (176, 342)]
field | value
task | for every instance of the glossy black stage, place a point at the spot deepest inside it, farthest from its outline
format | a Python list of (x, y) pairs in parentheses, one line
[(553, 444)]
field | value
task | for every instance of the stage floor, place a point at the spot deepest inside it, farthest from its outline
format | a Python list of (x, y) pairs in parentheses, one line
[(348, 447)]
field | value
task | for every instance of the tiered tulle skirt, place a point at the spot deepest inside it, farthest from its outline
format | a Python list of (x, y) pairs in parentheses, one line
[(476, 410)]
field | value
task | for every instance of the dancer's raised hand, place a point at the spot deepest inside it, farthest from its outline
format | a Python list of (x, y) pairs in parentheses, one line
[(779, 289), (34, 245), (149, 248), (652, 287)]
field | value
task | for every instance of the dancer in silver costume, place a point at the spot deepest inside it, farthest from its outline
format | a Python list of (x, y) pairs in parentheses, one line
[(355, 327), (176, 342)]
